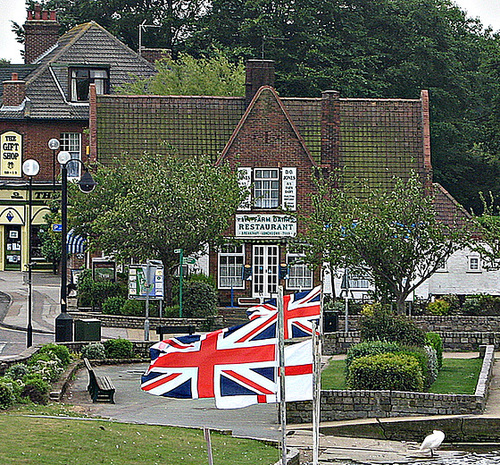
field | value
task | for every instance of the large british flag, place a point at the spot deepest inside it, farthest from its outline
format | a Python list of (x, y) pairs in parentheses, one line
[(236, 366), (300, 310)]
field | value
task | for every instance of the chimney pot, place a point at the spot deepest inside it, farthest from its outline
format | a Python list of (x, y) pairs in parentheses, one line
[(14, 76), (14, 92), (45, 15)]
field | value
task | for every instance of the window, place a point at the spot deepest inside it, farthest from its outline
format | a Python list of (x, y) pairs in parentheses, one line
[(81, 78), (266, 188), (231, 261), (36, 242), (474, 264), (358, 282), (442, 267), (71, 142), (300, 276)]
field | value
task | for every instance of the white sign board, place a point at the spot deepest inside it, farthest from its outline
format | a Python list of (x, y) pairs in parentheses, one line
[(265, 226), (289, 188)]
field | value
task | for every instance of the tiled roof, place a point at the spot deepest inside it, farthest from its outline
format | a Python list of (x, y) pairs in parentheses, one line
[(448, 209), (86, 44), (379, 139)]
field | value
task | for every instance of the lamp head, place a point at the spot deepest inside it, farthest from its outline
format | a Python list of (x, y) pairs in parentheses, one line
[(63, 157), (31, 167), (87, 183), (54, 144)]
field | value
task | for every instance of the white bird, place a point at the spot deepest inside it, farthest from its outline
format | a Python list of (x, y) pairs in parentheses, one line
[(433, 441)]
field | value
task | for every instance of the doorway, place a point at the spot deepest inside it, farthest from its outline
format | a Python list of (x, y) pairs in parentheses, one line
[(265, 270)]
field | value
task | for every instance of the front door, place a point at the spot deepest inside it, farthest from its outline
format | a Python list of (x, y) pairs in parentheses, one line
[(13, 248), (265, 270)]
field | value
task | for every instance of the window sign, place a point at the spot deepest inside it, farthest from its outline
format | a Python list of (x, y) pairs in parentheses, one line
[(245, 180), (11, 154), (289, 188)]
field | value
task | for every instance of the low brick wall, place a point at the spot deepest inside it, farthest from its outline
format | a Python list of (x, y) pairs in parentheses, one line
[(339, 342), (350, 405)]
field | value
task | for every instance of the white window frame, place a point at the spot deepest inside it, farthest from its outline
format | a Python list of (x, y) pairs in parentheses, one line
[(98, 76), (474, 264), (72, 142), (266, 190), (226, 252), (358, 282), (298, 272)]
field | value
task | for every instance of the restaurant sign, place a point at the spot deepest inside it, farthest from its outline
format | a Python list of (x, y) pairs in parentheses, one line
[(265, 226), (11, 146)]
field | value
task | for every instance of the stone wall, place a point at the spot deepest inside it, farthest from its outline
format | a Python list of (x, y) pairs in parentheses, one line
[(350, 405)]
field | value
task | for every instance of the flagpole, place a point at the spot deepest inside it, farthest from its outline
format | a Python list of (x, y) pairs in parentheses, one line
[(316, 348), (281, 371)]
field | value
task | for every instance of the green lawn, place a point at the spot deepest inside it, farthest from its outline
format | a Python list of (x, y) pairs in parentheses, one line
[(53, 441), (458, 376)]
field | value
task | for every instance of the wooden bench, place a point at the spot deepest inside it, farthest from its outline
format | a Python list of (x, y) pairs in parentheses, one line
[(171, 329), (99, 387)]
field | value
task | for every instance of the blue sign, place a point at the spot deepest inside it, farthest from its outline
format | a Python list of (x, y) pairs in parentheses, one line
[(57, 227)]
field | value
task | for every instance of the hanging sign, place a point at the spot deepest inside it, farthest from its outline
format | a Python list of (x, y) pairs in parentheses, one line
[(265, 226), (11, 146)]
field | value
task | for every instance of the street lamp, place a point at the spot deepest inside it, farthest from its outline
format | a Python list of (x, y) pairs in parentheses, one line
[(30, 169), (54, 145), (64, 322)]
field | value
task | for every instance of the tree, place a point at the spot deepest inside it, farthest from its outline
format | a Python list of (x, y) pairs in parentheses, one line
[(145, 208), (393, 235), (488, 226), (214, 75)]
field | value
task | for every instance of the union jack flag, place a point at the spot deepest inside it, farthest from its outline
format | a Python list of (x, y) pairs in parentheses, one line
[(300, 310), (237, 366)]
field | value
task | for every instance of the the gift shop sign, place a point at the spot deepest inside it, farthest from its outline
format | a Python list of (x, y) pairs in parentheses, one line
[(11, 154), (265, 226)]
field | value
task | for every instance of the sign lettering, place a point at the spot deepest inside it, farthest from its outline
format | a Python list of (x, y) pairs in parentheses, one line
[(11, 144)]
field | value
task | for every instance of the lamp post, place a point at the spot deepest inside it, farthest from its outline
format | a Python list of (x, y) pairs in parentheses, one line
[(30, 169), (54, 145), (64, 322)]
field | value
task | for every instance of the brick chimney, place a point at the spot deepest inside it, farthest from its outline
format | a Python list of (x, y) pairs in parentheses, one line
[(41, 33), (155, 54), (258, 73), (14, 92), (330, 129)]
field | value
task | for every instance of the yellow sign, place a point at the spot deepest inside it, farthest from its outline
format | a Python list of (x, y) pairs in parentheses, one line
[(11, 149)]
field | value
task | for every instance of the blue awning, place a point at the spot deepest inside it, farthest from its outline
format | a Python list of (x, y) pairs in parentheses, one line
[(75, 243)]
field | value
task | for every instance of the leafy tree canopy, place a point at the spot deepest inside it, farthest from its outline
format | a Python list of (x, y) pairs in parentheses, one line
[(394, 237), (214, 75), (147, 207)]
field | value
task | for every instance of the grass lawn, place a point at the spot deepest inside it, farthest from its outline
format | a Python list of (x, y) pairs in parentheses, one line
[(53, 441), (457, 376)]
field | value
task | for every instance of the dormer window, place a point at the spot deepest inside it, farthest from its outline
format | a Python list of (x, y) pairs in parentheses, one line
[(81, 78)]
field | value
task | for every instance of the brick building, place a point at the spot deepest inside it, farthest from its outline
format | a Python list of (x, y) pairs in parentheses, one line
[(48, 98), (277, 143)]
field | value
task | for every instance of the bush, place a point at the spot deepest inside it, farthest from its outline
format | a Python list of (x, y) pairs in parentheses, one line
[(15, 386), (199, 300), (454, 301), (202, 278), (420, 354), (113, 305), (439, 307), (35, 388), (132, 307), (47, 357), (481, 305), (7, 397), (369, 348), (93, 293), (60, 351), (119, 348), (49, 370), (94, 351), (434, 340), (17, 371), (384, 325), (395, 372)]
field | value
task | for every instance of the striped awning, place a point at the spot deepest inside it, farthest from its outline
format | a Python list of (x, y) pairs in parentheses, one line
[(75, 243)]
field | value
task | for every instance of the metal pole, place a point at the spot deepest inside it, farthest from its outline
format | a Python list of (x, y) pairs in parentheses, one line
[(29, 331), (181, 273), (64, 322), (53, 173), (316, 347), (148, 289), (281, 371)]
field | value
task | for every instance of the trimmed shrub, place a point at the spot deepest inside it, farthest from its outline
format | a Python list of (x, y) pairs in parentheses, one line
[(60, 351), (17, 371), (119, 348), (454, 301), (434, 340), (35, 388), (7, 396), (432, 363), (199, 300), (395, 372), (113, 305), (439, 307), (93, 293), (420, 354), (370, 348), (384, 325), (202, 278), (94, 351), (132, 307)]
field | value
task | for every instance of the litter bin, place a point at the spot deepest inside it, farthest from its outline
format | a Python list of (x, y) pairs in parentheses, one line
[(330, 322), (88, 330)]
